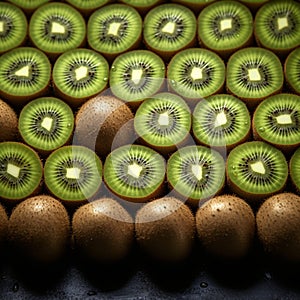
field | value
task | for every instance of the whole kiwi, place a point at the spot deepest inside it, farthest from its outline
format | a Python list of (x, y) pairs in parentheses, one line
[(278, 226), (3, 225), (103, 123), (103, 231), (226, 227), (165, 229), (8, 122), (39, 229)]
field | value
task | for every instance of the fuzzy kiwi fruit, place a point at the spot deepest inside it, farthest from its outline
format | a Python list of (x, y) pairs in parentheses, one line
[(13, 27), (39, 229), (79, 74), (114, 29), (102, 123), (225, 26), (294, 166), (8, 122), (103, 231), (163, 122), (21, 171), (169, 28), (135, 173), (25, 75), (226, 227), (57, 27), (165, 229), (3, 226), (221, 121), (278, 226), (46, 124), (256, 170), (276, 120), (277, 26), (253, 74), (292, 71)]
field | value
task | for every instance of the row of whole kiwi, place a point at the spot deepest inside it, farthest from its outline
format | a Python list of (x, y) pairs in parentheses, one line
[(192, 137)]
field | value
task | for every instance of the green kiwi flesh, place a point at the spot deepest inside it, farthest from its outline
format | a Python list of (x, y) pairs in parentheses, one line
[(73, 174), (165, 229), (8, 123), (294, 166), (135, 173), (196, 173), (292, 70), (13, 27), (256, 170), (21, 171), (163, 122), (46, 124), (221, 121)]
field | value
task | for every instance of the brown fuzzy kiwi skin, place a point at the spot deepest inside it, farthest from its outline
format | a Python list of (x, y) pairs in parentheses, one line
[(103, 231), (103, 123), (3, 226), (278, 226), (39, 229), (8, 123), (226, 227), (165, 230)]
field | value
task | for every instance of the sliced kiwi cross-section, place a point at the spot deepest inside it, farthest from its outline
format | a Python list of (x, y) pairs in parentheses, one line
[(292, 70), (46, 124), (28, 5), (294, 166), (87, 6), (135, 173), (20, 171)]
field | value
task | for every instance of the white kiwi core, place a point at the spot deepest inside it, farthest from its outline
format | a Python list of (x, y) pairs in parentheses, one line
[(254, 74), (23, 72), (47, 123), (164, 119), (113, 28), (197, 73), (136, 75), (221, 119), (284, 119), (1, 26), (258, 167), (169, 28), (13, 170), (282, 23), (81, 72), (57, 28), (73, 173), (197, 171), (226, 24), (134, 170)]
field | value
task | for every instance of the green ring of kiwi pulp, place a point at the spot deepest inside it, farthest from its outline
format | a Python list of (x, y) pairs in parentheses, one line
[(292, 70)]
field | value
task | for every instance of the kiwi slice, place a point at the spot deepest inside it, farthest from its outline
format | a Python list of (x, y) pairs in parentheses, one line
[(163, 122), (221, 121), (21, 171), (195, 5), (114, 29), (79, 74), (73, 173), (28, 5), (196, 173), (292, 70), (24, 75), (136, 75), (87, 6), (8, 123), (135, 173), (142, 6), (46, 124), (169, 28), (277, 121), (253, 74), (196, 73), (294, 166), (277, 26), (256, 170), (225, 26), (57, 27), (13, 27)]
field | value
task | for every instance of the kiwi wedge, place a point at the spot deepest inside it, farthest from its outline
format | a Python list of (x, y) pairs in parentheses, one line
[(46, 124), (28, 5), (136, 75), (278, 226), (103, 231), (163, 122), (226, 227), (73, 174), (256, 170), (87, 7), (196, 173), (21, 171), (24, 75), (142, 6), (196, 73), (254, 74), (13, 27), (79, 74), (57, 27), (221, 121), (114, 29), (294, 167), (277, 26), (165, 230), (135, 173), (8, 123), (292, 71), (276, 120), (39, 230), (225, 26), (169, 28)]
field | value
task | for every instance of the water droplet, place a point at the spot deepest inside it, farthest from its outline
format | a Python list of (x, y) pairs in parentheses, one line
[(113, 68), (268, 276), (91, 293), (15, 287), (233, 167), (204, 284), (105, 79), (262, 129), (246, 122), (69, 125), (173, 82)]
